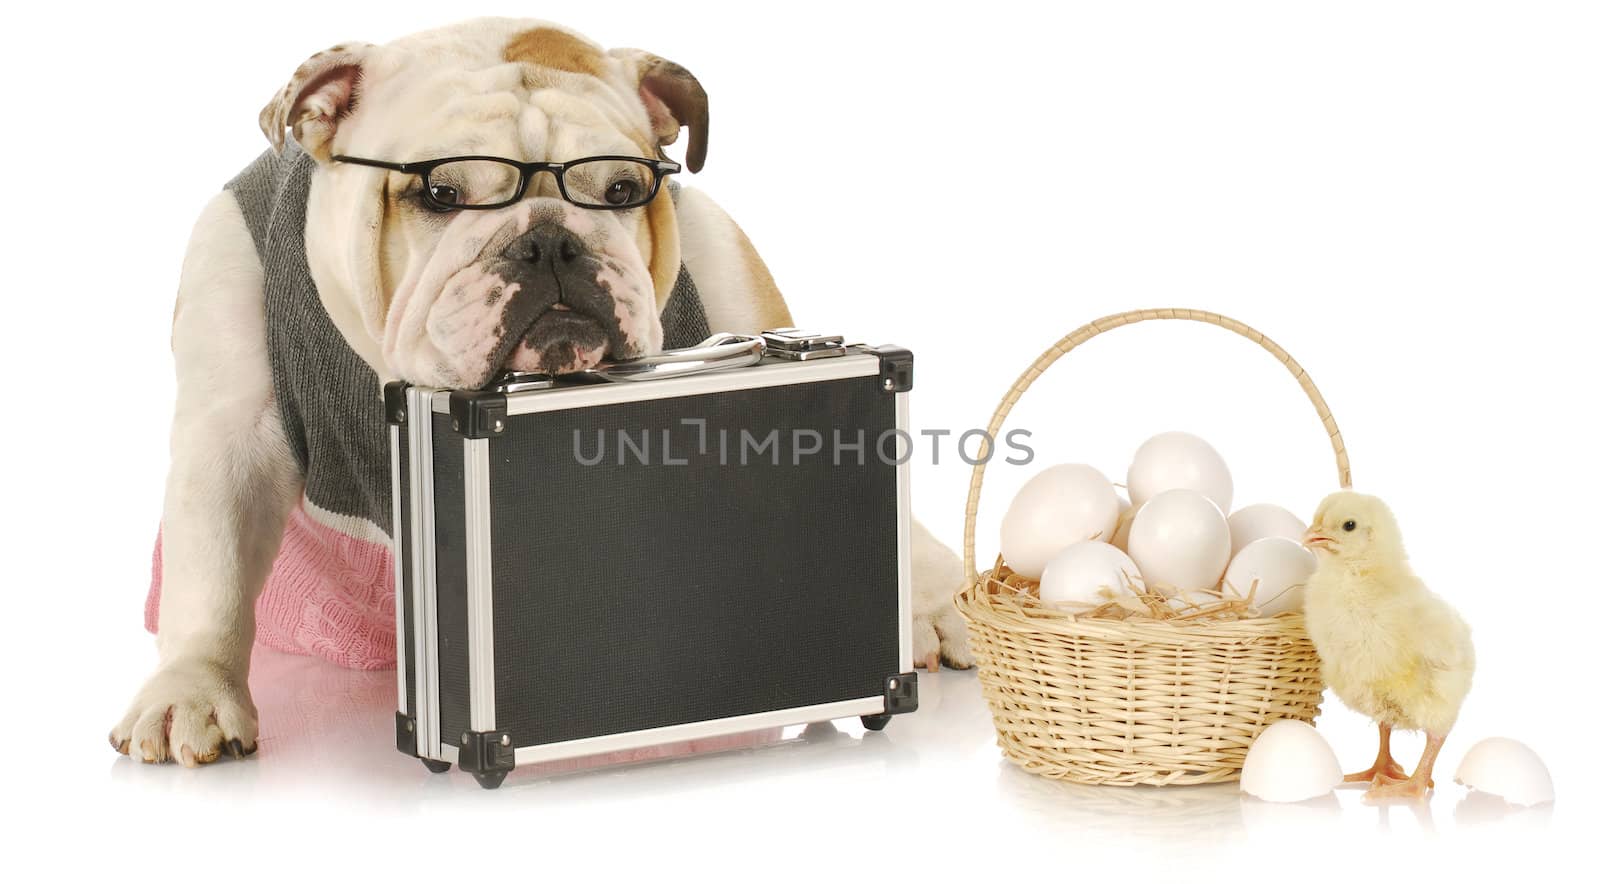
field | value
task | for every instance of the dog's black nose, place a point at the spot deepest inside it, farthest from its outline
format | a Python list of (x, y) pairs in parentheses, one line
[(546, 243)]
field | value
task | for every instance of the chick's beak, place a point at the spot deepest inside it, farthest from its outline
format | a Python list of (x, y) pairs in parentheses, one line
[(1313, 540)]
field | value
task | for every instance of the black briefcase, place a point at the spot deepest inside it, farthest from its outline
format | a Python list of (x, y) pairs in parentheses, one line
[(707, 542)]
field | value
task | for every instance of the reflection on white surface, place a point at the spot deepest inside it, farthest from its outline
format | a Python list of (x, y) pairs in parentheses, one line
[(1483, 809), (1267, 820), (1419, 813), (327, 754), (1183, 816), (323, 725)]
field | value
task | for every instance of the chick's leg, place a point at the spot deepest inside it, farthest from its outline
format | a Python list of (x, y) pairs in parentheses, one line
[(1418, 784), (1385, 768)]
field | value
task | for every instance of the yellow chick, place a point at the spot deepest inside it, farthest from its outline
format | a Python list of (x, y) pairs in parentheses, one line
[(1390, 648)]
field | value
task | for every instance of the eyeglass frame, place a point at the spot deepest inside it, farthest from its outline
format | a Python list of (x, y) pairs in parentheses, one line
[(424, 168)]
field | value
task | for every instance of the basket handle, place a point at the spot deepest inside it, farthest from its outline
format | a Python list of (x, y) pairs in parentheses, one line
[(1098, 327)]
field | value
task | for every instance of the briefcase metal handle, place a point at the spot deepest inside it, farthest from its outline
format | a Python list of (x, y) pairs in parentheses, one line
[(716, 353), (720, 351)]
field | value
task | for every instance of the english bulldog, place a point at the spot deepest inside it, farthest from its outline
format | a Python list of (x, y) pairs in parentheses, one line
[(487, 196)]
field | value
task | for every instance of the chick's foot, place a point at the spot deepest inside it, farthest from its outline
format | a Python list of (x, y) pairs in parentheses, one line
[(1411, 788), (1383, 771)]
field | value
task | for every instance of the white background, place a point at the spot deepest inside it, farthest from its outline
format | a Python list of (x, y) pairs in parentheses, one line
[(1402, 194)]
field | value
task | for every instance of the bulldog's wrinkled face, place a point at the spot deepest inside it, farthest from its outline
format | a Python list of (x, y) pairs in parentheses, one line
[(451, 298), (540, 286)]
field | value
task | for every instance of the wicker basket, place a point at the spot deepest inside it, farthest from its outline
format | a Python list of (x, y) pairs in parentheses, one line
[(1128, 702)]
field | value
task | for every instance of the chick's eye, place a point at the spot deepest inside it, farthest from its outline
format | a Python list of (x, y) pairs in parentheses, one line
[(622, 192), (1350, 525)]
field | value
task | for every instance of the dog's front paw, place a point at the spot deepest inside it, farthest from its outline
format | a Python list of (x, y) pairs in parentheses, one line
[(953, 647), (940, 637), (191, 712), (937, 631)]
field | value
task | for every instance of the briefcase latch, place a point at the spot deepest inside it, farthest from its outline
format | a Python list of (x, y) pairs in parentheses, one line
[(800, 345)]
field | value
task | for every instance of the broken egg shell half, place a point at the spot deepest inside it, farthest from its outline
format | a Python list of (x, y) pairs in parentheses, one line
[(1507, 768), (1290, 761)]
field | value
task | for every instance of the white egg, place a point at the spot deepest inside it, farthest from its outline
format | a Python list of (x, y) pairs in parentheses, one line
[(1180, 541), (1060, 506), (1290, 761), (1125, 514), (1179, 460), (1263, 520), (1091, 572), (1504, 767), (1278, 568)]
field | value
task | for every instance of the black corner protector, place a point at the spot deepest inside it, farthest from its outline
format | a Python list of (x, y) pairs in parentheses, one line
[(405, 734), (476, 414), (486, 752), (394, 402), (894, 368), (900, 693)]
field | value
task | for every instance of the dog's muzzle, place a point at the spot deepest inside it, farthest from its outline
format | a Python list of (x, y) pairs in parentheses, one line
[(563, 315)]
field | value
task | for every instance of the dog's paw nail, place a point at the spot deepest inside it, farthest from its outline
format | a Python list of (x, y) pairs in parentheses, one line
[(235, 749), (147, 752), (119, 745), (932, 662), (188, 757)]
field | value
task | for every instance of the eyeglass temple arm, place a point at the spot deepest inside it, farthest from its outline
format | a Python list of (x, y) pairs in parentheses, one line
[(406, 168)]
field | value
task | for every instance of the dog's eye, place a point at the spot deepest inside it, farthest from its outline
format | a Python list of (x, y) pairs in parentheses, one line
[(444, 196), (1350, 525), (622, 191)]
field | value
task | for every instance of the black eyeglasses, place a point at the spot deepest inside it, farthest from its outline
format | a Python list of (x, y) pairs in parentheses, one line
[(495, 182)]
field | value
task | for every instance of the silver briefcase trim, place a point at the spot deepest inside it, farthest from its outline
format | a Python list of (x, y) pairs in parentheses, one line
[(480, 585), (902, 422), (691, 385), (424, 597), (400, 604)]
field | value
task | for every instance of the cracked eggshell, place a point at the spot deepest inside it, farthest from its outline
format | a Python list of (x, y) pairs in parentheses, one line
[(1290, 761), (1062, 505), (1260, 520), (1179, 460), (1507, 768)]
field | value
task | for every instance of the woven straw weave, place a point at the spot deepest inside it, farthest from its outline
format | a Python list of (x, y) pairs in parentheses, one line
[(1128, 702)]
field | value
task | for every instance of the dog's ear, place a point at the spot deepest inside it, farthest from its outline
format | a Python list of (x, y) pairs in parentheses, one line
[(322, 92), (673, 98)]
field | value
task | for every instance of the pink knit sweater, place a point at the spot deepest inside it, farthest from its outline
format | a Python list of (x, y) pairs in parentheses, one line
[(330, 595)]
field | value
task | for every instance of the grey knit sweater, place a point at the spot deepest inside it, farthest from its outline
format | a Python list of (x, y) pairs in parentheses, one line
[(328, 397)]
